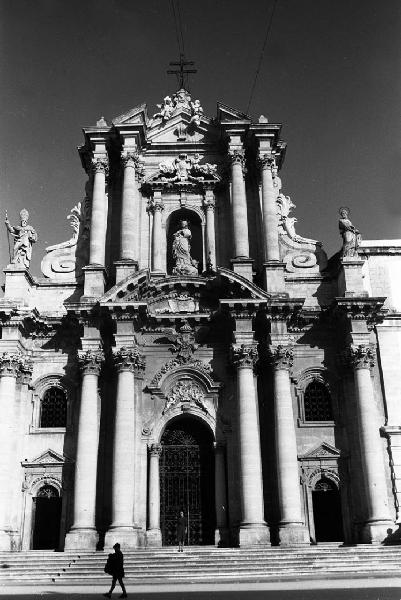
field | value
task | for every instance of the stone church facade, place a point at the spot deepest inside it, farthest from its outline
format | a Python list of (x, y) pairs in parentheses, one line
[(186, 349)]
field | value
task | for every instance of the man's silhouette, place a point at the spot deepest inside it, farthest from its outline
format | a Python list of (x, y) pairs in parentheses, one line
[(115, 564)]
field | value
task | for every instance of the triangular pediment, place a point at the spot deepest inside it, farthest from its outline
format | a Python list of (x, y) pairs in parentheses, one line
[(323, 450), (50, 457), (135, 116), (180, 129), (227, 113)]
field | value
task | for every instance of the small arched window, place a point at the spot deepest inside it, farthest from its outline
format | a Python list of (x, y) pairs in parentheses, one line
[(53, 408), (317, 402), (47, 491)]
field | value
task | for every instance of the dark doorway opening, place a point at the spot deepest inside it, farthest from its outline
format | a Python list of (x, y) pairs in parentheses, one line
[(194, 224), (187, 481), (46, 519), (327, 512)]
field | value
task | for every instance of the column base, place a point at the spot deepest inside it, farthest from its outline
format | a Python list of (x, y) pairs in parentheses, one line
[(154, 538), (254, 534), (375, 532), (94, 281), (243, 267), (222, 537), (81, 539), (273, 277), (124, 268), (293, 535), (6, 541), (127, 537)]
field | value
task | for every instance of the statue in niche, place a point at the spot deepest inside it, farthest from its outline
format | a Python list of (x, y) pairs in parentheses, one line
[(25, 236), (184, 263), (351, 236)]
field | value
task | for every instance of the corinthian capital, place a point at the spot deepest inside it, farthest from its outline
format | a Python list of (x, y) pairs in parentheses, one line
[(100, 165), (156, 450), (244, 357), (130, 159), (237, 156), (360, 357), (90, 361), (267, 161), (10, 364), (155, 205), (281, 357), (129, 359)]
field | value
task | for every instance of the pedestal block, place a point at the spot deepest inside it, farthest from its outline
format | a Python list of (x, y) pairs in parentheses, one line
[(95, 277), (124, 268), (350, 278), (243, 267), (18, 284), (273, 277)]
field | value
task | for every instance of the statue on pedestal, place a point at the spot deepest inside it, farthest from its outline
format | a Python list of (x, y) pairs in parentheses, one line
[(25, 236), (184, 263), (351, 236)]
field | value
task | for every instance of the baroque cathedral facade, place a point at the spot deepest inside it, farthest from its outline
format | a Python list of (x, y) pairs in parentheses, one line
[(186, 349)]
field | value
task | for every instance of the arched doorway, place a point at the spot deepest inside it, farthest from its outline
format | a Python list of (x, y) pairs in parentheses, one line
[(327, 511), (196, 242), (187, 481), (46, 519)]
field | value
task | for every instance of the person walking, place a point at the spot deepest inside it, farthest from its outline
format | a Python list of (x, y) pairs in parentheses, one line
[(115, 568), (181, 530)]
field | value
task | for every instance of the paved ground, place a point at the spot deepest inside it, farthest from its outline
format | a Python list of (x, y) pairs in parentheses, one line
[(367, 589)]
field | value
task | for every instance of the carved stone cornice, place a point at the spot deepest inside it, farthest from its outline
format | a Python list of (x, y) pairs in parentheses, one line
[(361, 309), (281, 357), (100, 165), (244, 357), (360, 357), (90, 361), (156, 450), (129, 359)]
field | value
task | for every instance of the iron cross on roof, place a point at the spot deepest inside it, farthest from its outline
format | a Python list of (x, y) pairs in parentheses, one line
[(181, 72)]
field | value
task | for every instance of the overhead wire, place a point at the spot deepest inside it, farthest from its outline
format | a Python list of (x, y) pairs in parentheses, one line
[(269, 26), (177, 30)]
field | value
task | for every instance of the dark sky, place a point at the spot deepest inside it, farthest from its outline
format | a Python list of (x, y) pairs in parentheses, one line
[(330, 74)]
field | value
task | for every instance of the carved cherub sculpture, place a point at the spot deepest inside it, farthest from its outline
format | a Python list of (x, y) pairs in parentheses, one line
[(24, 236), (197, 112)]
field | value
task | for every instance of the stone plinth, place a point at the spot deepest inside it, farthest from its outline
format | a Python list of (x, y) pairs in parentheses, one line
[(350, 278), (95, 281), (124, 268), (273, 277), (19, 283), (243, 267)]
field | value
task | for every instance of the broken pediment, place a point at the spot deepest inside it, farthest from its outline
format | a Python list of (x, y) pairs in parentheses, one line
[(226, 113), (323, 451)]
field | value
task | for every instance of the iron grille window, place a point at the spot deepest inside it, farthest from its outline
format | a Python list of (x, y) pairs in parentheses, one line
[(53, 408), (47, 491), (317, 402)]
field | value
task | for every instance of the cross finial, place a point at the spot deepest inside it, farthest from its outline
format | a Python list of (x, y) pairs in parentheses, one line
[(181, 72)]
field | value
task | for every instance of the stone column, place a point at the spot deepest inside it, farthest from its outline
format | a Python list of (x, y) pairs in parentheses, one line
[(269, 209), (123, 528), (129, 213), (97, 247), (291, 527), (156, 206), (154, 537), (253, 528), (221, 534), (239, 204), (372, 459), (9, 370), (209, 206), (83, 534)]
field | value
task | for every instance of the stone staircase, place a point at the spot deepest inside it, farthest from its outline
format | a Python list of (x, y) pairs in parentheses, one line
[(204, 564)]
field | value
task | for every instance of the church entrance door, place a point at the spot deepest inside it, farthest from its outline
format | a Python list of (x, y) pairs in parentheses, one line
[(187, 481), (327, 512), (46, 519)]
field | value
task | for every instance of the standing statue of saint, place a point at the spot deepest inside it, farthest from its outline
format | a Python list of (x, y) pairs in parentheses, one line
[(351, 236), (25, 236), (184, 264)]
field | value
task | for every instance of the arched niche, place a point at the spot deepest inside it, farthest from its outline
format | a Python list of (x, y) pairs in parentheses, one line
[(196, 226)]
